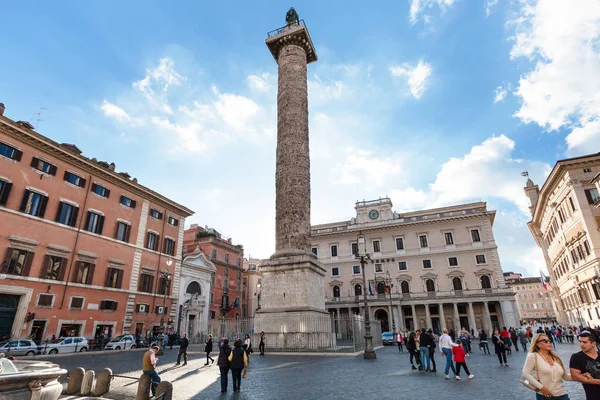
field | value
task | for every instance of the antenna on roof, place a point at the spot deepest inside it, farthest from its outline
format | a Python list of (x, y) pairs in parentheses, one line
[(39, 117)]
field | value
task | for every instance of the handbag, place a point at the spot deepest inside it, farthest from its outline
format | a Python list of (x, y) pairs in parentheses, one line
[(528, 384), (245, 375)]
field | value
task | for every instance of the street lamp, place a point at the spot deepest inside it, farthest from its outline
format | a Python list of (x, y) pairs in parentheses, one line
[(166, 276), (363, 257), (390, 286), (257, 294)]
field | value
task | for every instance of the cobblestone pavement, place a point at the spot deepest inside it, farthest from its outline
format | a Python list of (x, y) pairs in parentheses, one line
[(328, 377)]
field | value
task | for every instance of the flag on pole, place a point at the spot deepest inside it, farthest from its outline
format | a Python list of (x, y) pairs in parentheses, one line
[(543, 279), (370, 291)]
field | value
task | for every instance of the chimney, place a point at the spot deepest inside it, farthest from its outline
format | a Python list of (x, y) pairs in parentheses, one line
[(2, 108), (532, 191)]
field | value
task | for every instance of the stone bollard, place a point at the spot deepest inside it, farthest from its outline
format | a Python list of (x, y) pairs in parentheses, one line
[(103, 380), (143, 392), (167, 388), (75, 380), (88, 382)]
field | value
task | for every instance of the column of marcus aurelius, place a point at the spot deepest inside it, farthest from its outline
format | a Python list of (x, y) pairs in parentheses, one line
[(292, 291)]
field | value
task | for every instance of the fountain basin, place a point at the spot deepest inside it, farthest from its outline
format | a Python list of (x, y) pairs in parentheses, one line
[(34, 380)]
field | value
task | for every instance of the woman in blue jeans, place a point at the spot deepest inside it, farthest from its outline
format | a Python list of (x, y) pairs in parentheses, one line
[(545, 370)]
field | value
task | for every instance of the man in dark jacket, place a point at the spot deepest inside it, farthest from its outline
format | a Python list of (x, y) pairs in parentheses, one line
[(183, 345), (223, 362), (425, 342)]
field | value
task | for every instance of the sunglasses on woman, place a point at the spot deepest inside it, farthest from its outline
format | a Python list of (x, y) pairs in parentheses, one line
[(544, 341)]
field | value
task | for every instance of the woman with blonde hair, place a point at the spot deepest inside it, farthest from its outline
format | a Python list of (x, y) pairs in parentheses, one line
[(545, 370)]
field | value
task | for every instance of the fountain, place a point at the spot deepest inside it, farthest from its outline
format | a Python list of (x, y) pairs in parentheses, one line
[(29, 380)]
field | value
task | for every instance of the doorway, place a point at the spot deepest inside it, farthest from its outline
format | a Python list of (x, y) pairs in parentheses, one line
[(382, 316), (69, 330), (103, 331), (464, 323), (8, 310), (37, 331)]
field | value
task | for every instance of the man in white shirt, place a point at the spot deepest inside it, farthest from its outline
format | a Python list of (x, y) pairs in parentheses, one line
[(446, 346)]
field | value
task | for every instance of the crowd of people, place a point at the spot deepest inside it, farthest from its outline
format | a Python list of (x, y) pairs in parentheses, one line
[(543, 371), (234, 358)]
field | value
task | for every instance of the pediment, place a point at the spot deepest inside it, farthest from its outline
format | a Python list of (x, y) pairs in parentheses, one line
[(429, 275), (404, 277), (198, 259), (484, 271), (335, 283), (454, 274), (356, 280)]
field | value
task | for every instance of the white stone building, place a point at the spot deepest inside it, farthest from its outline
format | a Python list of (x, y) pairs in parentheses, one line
[(565, 224), (197, 274), (443, 266)]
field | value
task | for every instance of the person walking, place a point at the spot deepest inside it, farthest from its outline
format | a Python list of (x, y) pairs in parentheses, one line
[(513, 338), (183, 345), (432, 350), (208, 348), (261, 345), (149, 361), (224, 363), (238, 360), (452, 334), (411, 347), (425, 342), (483, 343), (582, 363), (399, 341), (549, 370), (248, 345), (499, 348), (460, 360), (523, 339), (446, 345)]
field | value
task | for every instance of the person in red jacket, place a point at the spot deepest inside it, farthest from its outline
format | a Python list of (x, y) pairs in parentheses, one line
[(460, 360)]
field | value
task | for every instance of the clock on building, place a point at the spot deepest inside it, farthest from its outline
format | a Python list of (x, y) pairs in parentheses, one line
[(373, 214)]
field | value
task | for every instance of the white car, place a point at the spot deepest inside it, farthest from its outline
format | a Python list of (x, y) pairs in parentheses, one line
[(121, 342), (23, 347), (68, 345)]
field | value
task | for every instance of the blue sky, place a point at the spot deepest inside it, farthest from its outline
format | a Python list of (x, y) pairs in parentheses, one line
[(430, 102)]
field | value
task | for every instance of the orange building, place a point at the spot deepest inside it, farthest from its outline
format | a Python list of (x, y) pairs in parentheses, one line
[(226, 288), (87, 250)]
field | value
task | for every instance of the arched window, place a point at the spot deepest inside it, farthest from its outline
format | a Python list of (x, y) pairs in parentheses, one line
[(430, 285), (193, 288), (405, 287), (381, 288), (485, 282), (357, 290), (457, 283), (336, 291)]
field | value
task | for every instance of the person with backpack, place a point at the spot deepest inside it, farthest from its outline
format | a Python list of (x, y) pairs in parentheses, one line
[(238, 361)]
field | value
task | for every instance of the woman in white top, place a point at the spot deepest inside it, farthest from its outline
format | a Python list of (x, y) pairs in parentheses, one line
[(247, 345), (548, 367)]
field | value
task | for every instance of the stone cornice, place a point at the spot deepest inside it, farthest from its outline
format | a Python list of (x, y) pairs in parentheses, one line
[(371, 229), (47, 145), (292, 35)]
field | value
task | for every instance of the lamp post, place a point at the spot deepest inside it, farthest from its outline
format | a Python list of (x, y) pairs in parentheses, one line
[(390, 286), (166, 276), (363, 257), (257, 294)]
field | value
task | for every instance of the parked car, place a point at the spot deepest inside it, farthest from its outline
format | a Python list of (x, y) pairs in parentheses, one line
[(388, 338), (121, 342), (67, 345), (22, 347)]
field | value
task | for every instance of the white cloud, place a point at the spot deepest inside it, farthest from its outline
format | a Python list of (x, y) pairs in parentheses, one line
[(156, 83), (423, 8), (260, 83), (362, 166), (113, 111), (584, 139), (487, 171), (489, 5), (499, 94), (562, 90), (417, 76)]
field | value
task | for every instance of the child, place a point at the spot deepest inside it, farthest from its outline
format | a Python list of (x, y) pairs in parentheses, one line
[(459, 358)]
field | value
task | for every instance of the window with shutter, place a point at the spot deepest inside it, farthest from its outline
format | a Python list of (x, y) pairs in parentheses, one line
[(94, 222), (18, 262), (43, 166), (122, 231), (84, 273), (100, 190), (5, 188), (34, 204), (76, 302), (112, 278), (126, 201), (45, 300), (53, 268), (10, 152), (66, 214)]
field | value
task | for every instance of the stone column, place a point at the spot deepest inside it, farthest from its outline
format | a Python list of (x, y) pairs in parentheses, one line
[(414, 316), (427, 317), (487, 320), (442, 316), (292, 181), (457, 326), (472, 317), (400, 318)]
